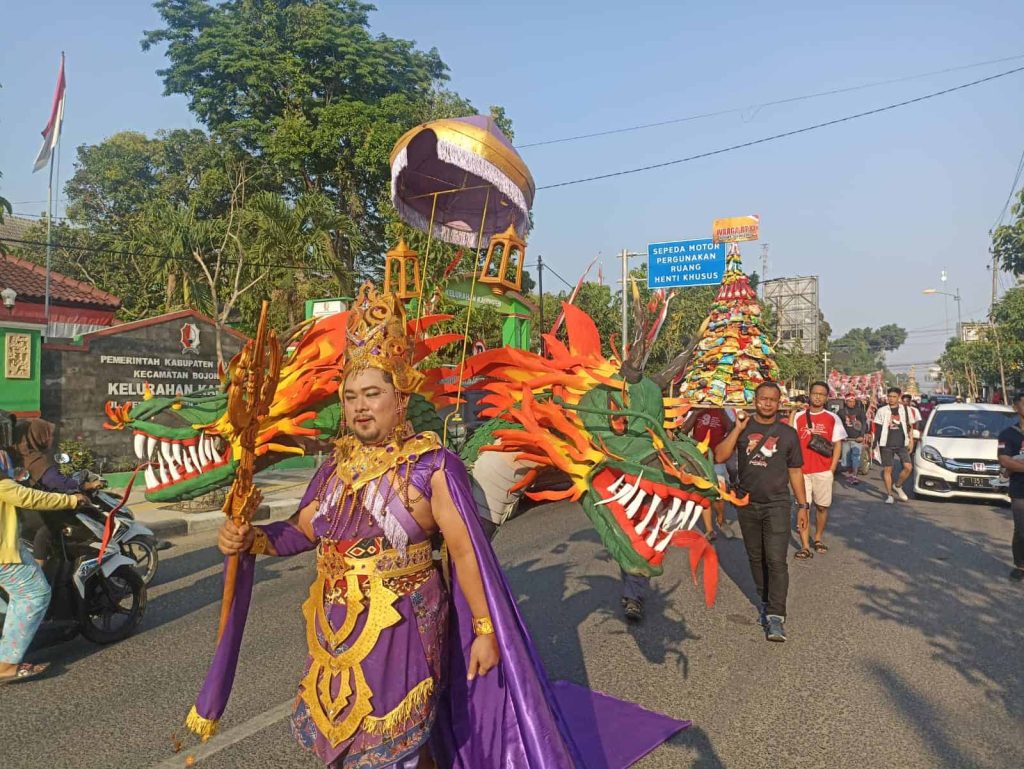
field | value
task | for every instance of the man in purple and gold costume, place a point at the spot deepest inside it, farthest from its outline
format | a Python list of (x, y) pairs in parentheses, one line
[(407, 670)]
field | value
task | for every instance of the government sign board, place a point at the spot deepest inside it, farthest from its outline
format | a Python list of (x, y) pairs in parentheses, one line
[(166, 356), (685, 263)]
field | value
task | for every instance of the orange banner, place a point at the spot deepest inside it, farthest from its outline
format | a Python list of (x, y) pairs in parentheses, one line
[(735, 229)]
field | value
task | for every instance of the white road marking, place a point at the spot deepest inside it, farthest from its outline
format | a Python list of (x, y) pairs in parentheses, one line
[(226, 739)]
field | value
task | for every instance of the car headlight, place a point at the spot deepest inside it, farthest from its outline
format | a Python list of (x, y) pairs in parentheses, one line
[(932, 455)]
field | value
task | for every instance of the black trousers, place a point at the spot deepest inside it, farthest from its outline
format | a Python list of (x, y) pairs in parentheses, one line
[(1018, 532), (765, 528)]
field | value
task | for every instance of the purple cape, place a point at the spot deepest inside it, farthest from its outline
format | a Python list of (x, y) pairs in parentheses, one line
[(511, 718)]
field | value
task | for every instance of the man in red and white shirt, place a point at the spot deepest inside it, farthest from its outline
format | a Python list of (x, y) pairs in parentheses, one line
[(819, 468), (712, 425)]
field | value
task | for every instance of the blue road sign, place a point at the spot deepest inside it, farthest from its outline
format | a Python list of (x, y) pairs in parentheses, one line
[(685, 263)]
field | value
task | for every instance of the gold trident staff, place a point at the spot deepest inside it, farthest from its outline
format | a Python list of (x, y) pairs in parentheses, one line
[(254, 380)]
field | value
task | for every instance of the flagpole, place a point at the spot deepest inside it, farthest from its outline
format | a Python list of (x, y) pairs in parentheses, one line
[(49, 250), (51, 143)]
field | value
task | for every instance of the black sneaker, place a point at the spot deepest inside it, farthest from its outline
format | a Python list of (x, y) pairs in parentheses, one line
[(1016, 574), (776, 631), (762, 616), (633, 609)]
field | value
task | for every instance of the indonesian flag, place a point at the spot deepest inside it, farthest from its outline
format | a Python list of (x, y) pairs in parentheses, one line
[(51, 134)]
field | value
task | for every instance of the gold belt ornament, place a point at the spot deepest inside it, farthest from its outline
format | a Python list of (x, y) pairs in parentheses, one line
[(363, 572)]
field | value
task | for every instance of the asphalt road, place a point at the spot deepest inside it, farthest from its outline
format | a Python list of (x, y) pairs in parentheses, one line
[(905, 651)]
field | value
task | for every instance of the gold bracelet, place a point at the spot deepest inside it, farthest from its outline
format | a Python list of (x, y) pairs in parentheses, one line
[(260, 542), (482, 626)]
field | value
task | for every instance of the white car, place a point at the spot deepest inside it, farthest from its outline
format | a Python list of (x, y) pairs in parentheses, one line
[(956, 455)]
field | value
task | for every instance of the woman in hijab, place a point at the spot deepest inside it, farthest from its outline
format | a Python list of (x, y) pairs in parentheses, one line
[(33, 450), (20, 577)]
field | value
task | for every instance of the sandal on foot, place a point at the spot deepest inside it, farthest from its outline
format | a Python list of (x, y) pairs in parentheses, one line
[(24, 672), (819, 546), (633, 609), (803, 554)]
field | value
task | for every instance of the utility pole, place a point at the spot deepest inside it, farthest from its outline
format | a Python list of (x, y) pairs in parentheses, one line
[(626, 253), (764, 269), (540, 289), (995, 268), (825, 356), (995, 329)]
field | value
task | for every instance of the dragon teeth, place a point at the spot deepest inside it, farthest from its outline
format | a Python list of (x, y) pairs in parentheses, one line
[(204, 455), (672, 517), (151, 479), (150, 447), (655, 503), (140, 445), (697, 510), (660, 547), (162, 468), (194, 455), (634, 506), (623, 493), (176, 453), (186, 458), (617, 483), (655, 531)]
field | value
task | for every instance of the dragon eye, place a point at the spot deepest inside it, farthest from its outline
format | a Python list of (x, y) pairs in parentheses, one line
[(618, 424)]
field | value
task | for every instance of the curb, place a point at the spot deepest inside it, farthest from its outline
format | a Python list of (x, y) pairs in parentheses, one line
[(196, 523)]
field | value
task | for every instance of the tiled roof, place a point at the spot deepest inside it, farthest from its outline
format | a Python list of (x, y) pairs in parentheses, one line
[(29, 280), (14, 228)]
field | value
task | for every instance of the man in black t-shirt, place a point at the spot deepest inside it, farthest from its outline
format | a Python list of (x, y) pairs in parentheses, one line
[(769, 466), (1011, 457)]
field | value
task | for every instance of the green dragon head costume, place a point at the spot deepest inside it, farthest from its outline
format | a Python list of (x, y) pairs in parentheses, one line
[(642, 486)]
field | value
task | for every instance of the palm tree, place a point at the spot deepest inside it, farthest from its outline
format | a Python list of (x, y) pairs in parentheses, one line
[(294, 239)]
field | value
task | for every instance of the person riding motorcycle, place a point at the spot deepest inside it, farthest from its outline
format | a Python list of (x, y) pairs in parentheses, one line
[(20, 576), (33, 450)]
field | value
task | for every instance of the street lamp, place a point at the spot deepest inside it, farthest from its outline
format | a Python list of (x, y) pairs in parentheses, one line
[(956, 298), (9, 295)]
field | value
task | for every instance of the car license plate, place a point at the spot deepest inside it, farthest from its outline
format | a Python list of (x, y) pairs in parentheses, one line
[(973, 482)]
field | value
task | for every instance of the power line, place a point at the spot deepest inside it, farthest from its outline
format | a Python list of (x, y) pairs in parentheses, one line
[(568, 285), (785, 134), (1013, 188), (144, 255), (762, 105)]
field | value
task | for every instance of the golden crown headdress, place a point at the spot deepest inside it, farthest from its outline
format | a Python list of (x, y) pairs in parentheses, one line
[(377, 337)]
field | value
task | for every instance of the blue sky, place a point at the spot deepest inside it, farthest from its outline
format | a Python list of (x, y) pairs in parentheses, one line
[(875, 207)]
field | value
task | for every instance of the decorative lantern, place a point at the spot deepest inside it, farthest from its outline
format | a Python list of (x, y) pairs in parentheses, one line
[(402, 272), (503, 266)]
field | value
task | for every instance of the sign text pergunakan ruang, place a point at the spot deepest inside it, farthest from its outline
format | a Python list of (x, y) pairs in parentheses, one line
[(685, 263)]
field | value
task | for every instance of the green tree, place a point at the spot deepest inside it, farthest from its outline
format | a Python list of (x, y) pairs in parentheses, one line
[(862, 350), (1008, 240), (314, 97), (969, 366), (294, 238)]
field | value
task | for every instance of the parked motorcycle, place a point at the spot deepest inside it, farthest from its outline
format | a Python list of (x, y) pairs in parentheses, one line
[(105, 602), (140, 544)]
